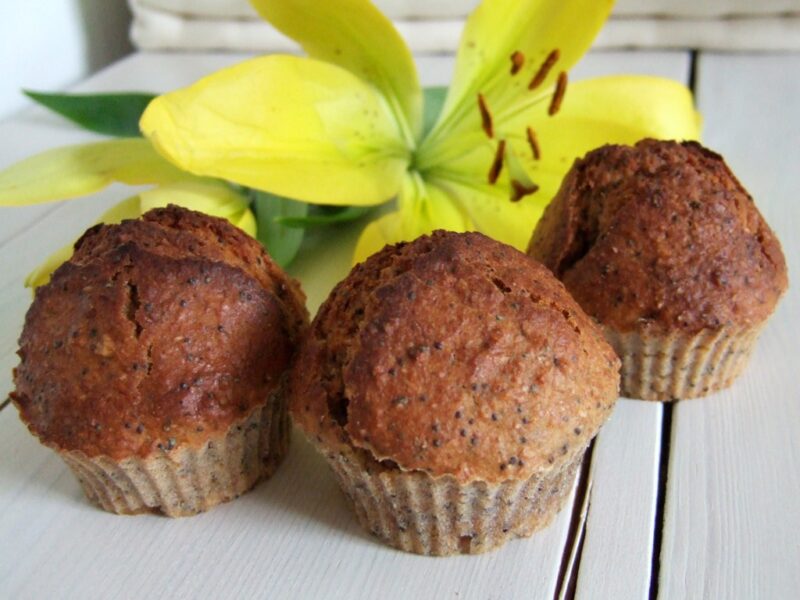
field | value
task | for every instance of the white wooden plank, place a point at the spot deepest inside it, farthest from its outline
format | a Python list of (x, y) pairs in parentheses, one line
[(618, 541), (732, 518), (293, 536)]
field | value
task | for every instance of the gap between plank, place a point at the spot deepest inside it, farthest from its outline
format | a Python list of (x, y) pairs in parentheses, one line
[(573, 546), (692, 83), (661, 498)]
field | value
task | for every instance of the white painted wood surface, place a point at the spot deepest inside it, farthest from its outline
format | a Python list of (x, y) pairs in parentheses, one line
[(618, 542), (294, 536), (732, 527)]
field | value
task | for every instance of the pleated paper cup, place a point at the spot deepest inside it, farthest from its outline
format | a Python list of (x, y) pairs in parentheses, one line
[(415, 512), (681, 366), (189, 480)]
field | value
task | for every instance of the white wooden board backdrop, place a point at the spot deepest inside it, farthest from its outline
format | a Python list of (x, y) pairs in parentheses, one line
[(731, 521), (732, 527)]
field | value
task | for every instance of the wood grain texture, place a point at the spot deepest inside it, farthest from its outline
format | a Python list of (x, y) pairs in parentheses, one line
[(732, 516)]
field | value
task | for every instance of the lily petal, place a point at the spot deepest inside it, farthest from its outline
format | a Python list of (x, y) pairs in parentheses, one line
[(357, 36), (127, 209), (211, 197), (246, 221), (296, 127), (422, 208), (73, 171), (529, 29), (605, 110), (41, 274)]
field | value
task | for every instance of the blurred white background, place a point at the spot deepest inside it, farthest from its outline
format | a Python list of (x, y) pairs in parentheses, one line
[(50, 44)]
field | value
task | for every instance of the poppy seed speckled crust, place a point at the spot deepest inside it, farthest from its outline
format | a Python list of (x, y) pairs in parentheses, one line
[(453, 386), (664, 247), (175, 328), (495, 324), (661, 236)]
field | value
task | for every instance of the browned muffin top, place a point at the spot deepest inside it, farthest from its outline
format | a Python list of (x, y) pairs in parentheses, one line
[(454, 354), (661, 236), (158, 332)]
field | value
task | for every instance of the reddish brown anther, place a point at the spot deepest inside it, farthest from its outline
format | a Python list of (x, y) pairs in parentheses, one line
[(558, 95), (533, 143), (486, 116), (520, 190), (544, 70), (497, 163), (517, 62)]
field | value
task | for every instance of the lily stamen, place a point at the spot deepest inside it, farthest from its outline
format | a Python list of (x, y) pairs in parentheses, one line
[(533, 143), (517, 62), (520, 190), (544, 70), (558, 95), (486, 116), (497, 163)]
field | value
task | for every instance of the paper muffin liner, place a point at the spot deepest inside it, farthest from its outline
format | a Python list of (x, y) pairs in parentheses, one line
[(418, 513), (681, 366), (189, 480)]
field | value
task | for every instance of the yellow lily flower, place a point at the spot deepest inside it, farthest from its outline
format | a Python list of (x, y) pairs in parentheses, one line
[(74, 171), (344, 126)]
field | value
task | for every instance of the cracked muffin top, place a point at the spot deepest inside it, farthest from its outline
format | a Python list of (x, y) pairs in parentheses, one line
[(661, 237), (454, 355), (157, 332)]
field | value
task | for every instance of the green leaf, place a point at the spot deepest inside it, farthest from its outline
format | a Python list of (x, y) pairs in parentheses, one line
[(281, 242), (325, 215), (110, 114), (433, 101)]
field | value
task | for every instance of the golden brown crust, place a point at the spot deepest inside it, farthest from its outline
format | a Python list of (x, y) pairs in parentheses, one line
[(454, 354), (178, 233), (661, 237), (151, 337)]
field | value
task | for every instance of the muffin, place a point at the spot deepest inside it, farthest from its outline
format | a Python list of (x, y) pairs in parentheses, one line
[(155, 363), (453, 386), (662, 245)]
